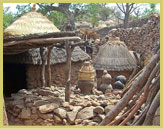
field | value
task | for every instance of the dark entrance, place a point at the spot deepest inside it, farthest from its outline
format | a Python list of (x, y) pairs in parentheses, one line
[(14, 78)]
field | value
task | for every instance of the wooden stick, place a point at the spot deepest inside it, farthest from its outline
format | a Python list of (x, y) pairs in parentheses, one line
[(139, 82), (68, 72), (116, 121), (129, 84), (41, 41), (138, 105), (150, 114), (141, 117), (143, 98)]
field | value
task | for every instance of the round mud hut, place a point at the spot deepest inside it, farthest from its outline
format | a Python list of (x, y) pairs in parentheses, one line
[(115, 58), (22, 66)]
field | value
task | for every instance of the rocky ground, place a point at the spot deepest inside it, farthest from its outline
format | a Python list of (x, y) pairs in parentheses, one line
[(46, 106)]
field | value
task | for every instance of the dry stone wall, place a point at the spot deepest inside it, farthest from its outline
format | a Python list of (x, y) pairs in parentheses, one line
[(46, 106)]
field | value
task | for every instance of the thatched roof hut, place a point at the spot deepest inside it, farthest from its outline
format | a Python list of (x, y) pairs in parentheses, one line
[(30, 23), (22, 60), (115, 58), (58, 55)]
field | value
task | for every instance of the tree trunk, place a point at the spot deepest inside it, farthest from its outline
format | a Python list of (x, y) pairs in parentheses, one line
[(139, 82), (48, 66), (126, 19), (43, 54), (68, 72)]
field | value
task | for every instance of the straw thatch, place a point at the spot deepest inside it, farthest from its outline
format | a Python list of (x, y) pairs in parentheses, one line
[(114, 56), (58, 55), (30, 23)]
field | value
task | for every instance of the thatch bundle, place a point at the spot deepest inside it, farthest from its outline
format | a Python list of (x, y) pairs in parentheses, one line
[(30, 23), (114, 56)]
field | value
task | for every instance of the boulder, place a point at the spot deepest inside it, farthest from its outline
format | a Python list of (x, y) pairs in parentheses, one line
[(60, 112), (45, 116), (40, 102), (71, 116), (86, 113), (57, 119), (48, 107)]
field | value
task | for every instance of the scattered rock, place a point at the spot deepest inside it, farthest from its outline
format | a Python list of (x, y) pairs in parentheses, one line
[(40, 103), (60, 112), (98, 109), (108, 108), (93, 123), (57, 120), (86, 113), (45, 116), (78, 121), (45, 92), (48, 107), (97, 119), (97, 92), (94, 103)]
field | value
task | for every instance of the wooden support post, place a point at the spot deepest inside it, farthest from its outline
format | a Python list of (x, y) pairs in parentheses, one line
[(68, 72), (48, 66), (43, 55)]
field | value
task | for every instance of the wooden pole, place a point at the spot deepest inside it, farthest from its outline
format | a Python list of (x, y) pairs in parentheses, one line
[(43, 55), (68, 72), (48, 66)]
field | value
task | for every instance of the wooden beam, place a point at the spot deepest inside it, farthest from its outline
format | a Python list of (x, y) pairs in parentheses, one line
[(68, 71), (38, 36), (46, 41)]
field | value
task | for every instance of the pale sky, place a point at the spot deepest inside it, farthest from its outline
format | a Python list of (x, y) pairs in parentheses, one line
[(13, 6)]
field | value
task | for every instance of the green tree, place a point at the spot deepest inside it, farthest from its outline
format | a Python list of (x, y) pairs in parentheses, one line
[(148, 12), (8, 17), (22, 9)]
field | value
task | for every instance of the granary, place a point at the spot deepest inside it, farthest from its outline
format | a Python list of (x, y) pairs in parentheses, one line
[(22, 60), (115, 58)]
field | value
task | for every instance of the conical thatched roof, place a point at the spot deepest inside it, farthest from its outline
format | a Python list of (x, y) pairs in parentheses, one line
[(30, 23), (114, 56), (58, 55)]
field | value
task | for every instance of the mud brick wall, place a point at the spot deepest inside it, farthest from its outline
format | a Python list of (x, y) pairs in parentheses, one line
[(57, 73)]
